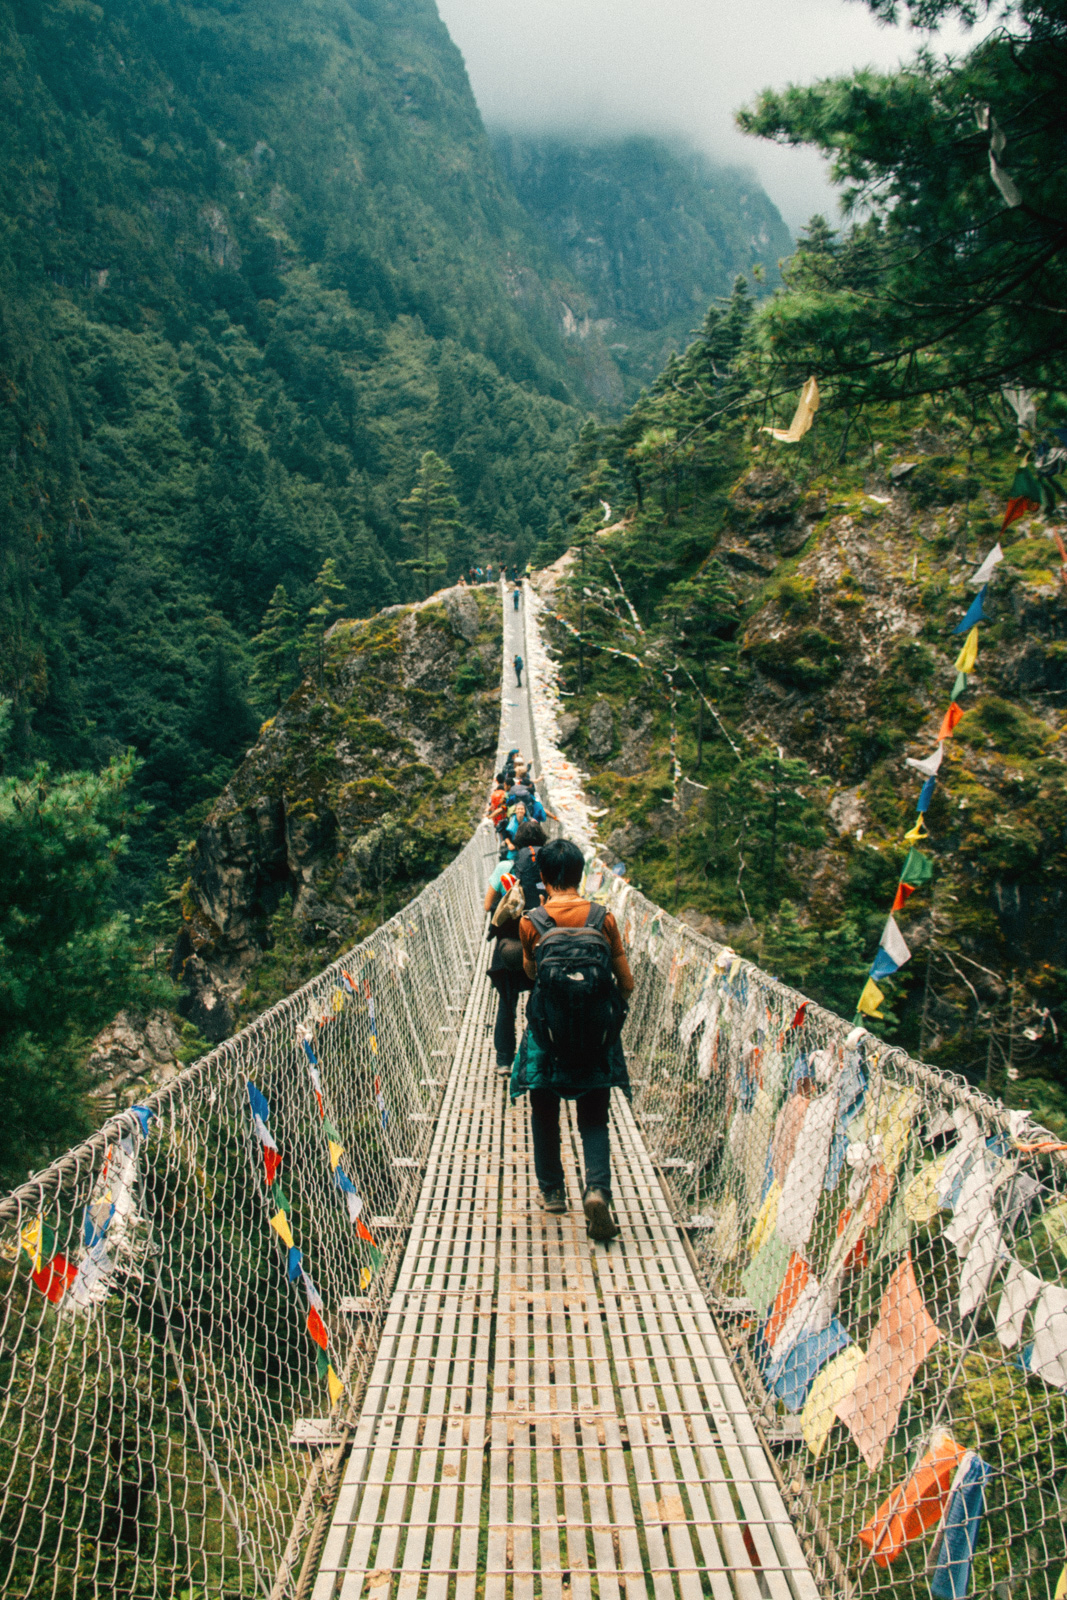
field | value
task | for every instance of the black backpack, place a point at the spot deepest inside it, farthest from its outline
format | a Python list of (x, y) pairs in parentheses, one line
[(576, 1012)]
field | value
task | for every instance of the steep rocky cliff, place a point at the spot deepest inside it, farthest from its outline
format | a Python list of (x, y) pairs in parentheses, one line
[(355, 794)]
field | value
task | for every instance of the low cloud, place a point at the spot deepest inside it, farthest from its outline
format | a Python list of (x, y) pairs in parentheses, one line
[(606, 67)]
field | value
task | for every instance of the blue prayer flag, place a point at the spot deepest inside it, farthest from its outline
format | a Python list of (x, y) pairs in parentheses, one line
[(258, 1102), (974, 615), (343, 1181), (883, 965), (926, 794), (959, 1532), (295, 1258), (144, 1114), (309, 1051), (792, 1377)]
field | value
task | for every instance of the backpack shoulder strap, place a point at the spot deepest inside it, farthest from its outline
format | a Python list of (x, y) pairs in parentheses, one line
[(541, 920), (596, 917)]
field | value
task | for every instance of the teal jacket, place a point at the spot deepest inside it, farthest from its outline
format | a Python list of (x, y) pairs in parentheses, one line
[(534, 1068)]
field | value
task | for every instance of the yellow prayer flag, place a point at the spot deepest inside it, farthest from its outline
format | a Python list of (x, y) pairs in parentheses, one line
[(30, 1239), (735, 967), (803, 416), (913, 835), (365, 1276), (336, 1152), (766, 1219), (373, 1045), (870, 999), (894, 1128), (1061, 1587), (335, 1386), (280, 1224), (969, 654), (921, 1201), (338, 999)]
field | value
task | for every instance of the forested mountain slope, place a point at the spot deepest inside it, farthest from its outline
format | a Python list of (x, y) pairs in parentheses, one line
[(651, 229), (255, 259)]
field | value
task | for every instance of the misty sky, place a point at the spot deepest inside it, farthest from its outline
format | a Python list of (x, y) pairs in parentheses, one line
[(680, 66)]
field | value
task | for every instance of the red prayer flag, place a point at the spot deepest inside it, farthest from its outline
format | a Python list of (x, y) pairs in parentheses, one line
[(317, 1329), (796, 1279), (364, 1233), (903, 891), (55, 1278), (952, 716), (1019, 507), (798, 1020), (272, 1161)]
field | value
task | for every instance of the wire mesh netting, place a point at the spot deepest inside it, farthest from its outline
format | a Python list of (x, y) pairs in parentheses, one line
[(175, 1391), (887, 1252)]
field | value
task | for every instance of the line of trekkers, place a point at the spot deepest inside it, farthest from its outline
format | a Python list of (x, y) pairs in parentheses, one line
[(566, 952)]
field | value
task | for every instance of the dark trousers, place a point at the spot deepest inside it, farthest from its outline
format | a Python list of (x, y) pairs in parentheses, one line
[(509, 986), (518, 677), (593, 1127)]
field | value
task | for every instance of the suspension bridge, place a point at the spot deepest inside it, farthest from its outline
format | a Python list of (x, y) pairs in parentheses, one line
[(296, 1327)]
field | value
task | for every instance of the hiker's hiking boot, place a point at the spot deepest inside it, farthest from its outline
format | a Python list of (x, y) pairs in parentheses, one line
[(503, 1068), (553, 1200), (599, 1222)]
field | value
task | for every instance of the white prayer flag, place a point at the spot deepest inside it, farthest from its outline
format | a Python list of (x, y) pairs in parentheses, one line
[(985, 571), (892, 942), (929, 765), (803, 416)]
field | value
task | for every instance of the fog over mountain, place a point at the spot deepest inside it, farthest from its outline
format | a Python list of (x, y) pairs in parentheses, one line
[(595, 67)]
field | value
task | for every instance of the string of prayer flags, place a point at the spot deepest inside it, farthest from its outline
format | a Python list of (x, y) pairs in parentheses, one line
[(319, 1336), (803, 416)]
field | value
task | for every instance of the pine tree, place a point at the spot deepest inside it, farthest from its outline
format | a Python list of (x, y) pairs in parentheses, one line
[(430, 520), (329, 603), (276, 669)]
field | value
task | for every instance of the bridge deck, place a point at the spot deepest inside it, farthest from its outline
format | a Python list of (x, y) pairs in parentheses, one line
[(547, 1417)]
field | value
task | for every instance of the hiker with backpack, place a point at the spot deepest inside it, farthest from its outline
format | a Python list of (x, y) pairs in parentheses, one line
[(571, 1048), (515, 887), (518, 665)]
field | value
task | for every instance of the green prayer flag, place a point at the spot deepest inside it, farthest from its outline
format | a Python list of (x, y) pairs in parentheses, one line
[(917, 869), (329, 1130), (1024, 485), (280, 1199), (375, 1258), (762, 1278), (895, 1234), (959, 685), (323, 1363)]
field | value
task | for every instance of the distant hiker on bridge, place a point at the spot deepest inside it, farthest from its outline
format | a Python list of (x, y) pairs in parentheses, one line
[(515, 887), (516, 596), (571, 1049), (518, 665)]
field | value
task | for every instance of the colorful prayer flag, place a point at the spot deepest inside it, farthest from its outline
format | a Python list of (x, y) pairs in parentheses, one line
[(280, 1223), (317, 1329), (336, 1152), (951, 717), (892, 942), (31, 1241), (803, 416), (973, 615), (55, 1277), (959, 685), (926, 794), (969, 654), (144, 1115), (913, 835), (363, 1233), (309, 1051), (929, 766), (272, 1161), (798, 1020), (314, 1297), (870, 999), (985, 571), (903, 891), (917, 869), (1020, 506), (263, 1133), (903, 1338), (279, 1196), (334, 1384), (259, 1105), (295, 1258), (365, 1276)]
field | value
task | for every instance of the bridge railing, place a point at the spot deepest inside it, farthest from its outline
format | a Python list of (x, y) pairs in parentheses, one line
[(174, 1394), (880, 1240)]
